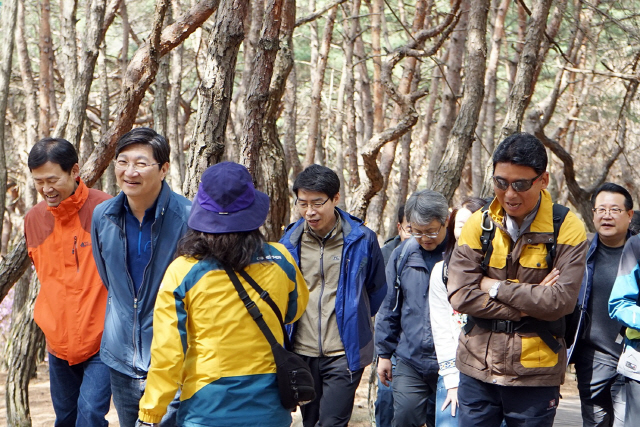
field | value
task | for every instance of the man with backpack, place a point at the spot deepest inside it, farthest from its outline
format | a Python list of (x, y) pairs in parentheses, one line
[(596, 351), (403, 326), (516, 273)]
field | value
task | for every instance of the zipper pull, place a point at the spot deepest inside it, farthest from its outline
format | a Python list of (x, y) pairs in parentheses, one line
[(135, 303)]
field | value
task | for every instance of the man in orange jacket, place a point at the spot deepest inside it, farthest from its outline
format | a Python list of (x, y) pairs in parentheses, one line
[(71, 304)]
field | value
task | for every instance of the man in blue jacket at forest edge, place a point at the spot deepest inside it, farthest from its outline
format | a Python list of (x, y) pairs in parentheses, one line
[(341, 262), (134, 239)]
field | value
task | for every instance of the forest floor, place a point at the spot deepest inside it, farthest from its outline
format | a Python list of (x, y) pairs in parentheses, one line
[(42, 412)]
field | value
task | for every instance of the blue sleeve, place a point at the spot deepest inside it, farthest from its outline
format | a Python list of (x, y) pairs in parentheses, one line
[(376, 282), (95, 246), (388, 327), (623, 301)]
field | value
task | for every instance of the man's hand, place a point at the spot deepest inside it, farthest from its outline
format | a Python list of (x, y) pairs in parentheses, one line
[(384, 371), (551, 278), (452, 398)]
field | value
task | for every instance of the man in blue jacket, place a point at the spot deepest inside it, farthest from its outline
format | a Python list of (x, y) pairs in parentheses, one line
[(403, 327), (341, 262), (596, 350), (134, 239)]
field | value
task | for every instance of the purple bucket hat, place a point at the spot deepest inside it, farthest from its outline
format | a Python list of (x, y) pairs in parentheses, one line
[(227, 201)]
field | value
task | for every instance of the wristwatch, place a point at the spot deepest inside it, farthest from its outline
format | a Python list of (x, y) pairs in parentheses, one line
[(493, 292)]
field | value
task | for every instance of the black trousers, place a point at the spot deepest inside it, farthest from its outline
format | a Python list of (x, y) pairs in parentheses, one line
[(486, 405), (335, 391)]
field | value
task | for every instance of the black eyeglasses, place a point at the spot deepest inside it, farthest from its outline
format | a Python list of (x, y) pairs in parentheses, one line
[(431, 235), (520, 185), (610, 211), (314, 205)]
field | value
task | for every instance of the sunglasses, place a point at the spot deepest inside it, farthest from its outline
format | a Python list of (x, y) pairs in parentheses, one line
[(519, 186)]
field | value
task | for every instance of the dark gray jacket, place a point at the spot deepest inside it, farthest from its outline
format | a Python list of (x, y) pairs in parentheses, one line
[(406, 331)]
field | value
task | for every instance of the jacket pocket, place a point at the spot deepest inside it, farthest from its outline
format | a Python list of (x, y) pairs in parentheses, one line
[(532, 356), (472, 349)]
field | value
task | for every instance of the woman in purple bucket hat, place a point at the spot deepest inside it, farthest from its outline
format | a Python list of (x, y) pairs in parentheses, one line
[(204, 340)]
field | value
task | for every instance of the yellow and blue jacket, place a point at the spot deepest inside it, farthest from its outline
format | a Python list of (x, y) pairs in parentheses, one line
[(206, 343)]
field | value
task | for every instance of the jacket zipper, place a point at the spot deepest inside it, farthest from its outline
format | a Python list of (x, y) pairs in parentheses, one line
[(320, 299), (74, 251)]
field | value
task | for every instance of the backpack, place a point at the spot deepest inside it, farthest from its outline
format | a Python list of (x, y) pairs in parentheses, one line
[(400, 262)]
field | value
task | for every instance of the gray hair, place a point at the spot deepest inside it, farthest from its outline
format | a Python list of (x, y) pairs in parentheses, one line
[(426, 205)]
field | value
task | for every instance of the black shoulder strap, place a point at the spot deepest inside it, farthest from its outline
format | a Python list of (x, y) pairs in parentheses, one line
[(486, 239), (252, 308), (559, 214), (400, 262)]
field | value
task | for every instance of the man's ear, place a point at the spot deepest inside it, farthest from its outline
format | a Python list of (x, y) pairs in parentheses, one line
[(544, 180), (75, 171)]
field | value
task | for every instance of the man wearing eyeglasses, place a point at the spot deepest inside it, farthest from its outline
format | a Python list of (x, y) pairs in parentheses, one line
[(512, 353), (135, 235), (403, 326), (596, 350), (341, 262)]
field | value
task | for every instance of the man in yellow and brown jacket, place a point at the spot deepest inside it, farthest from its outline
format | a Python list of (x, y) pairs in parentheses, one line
[(71, 304), (512, 354)]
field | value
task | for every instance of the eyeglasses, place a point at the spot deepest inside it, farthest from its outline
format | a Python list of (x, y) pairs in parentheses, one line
[(123, 165), (315, 205), (610, 211), (432, 235), (519, 186)]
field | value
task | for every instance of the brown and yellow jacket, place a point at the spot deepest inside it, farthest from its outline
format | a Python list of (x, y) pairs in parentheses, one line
[(71, 303), (516, 359)]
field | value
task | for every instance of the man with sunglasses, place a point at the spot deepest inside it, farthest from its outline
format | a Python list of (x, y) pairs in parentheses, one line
[(403, 326), (341, 262), (512, 354)]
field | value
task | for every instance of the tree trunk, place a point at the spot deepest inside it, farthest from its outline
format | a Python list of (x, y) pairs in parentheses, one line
[(8, 17), (258, 91), (215, 91), (451, 92), (317, 83), (27, 189), (160, 97), (272, 158), (46, 65), (25, 341), (462, 134), (176, 171), (350, 108), (291, 124)]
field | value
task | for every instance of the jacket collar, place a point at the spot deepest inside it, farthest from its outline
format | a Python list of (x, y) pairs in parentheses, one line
[(350, 229), (542, 223), (72, 204), (117, 208)]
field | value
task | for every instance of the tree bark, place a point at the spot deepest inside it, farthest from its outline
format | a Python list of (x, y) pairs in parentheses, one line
[(215, 93), (258, 92), (350, 108), (272, 156), (176, 170), (9, 16), (462, 133), (46, 65), (140, 73), (26, 338), (291, 124), (451, 91), (27, 190), (317, 83)]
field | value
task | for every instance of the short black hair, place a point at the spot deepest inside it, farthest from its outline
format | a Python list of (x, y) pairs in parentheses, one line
[(318, 178), (401, 213), (54, 150), (610, 187), (522, 149), (146, 136), (634, 225)]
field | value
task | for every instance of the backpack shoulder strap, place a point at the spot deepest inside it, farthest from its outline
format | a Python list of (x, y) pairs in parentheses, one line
[(486, 239), (400, 263), (559, 214)]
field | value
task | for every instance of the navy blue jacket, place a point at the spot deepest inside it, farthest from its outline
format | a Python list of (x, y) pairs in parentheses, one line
[(361, 287), (128, 324), (406, 331)]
